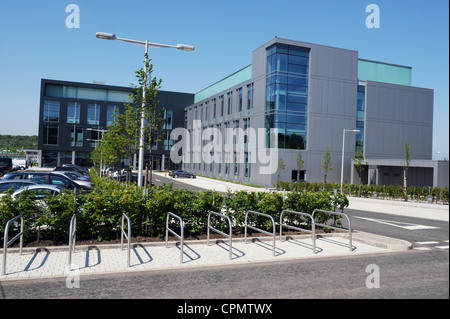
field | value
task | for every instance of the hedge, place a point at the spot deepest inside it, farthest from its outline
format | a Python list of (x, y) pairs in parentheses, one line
[(99, 213), (394, 192)]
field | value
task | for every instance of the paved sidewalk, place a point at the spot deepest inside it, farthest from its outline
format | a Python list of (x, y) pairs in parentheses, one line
[(96, 259)]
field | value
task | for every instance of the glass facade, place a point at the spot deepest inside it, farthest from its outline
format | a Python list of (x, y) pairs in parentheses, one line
[(287, 95), (360, 116)]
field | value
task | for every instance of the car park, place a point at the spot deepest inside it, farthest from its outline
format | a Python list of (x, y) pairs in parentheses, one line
[(181, 173), (50, 178)]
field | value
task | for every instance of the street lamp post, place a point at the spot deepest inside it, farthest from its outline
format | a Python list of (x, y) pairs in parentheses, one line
[(146, 44), (343, 149)]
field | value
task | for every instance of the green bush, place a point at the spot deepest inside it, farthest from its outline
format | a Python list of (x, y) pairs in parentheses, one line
[(99, 213)]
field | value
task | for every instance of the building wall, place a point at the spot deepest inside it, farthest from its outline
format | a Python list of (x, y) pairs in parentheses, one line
[(396, 114)]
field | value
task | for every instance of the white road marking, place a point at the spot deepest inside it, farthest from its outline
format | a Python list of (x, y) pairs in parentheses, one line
[(407, 226)]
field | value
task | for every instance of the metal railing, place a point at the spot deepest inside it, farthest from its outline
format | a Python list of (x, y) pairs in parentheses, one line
[(258, 229), (72, 237), (127, 236), (230, 233), (313, 226), (336, 227), (7, 243), (181, 236)]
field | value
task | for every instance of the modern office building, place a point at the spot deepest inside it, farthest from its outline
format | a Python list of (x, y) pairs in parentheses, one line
[(313, 98), (73, 115)]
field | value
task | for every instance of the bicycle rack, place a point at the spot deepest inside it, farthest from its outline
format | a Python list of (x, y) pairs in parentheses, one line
[(7, 243), (313, 226), (260, 230), (72, 237), (230, 234), (334, 227), (127, 236), (181, 236)]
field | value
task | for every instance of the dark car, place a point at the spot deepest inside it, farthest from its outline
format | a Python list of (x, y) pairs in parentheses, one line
[(47, 178), (134, 178), (180, 173), (5, 165), (72, 167)]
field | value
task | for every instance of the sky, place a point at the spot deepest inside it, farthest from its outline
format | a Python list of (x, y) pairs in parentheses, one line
[(36, 42)]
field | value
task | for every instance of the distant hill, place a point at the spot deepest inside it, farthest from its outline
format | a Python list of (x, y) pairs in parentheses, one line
[(10, 142)]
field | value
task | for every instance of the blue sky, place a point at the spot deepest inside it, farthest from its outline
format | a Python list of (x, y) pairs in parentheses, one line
[(35, 43)]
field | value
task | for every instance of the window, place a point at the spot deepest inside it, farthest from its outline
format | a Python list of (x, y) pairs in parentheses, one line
[(214, 110), (50, 136), (249, 96), (93, 115), (221, 106), (76, 136), (51, 111), (240, 100), (73, 113), (110, 114), (168, 120), (360, 115), (168, 143), (229, 102)]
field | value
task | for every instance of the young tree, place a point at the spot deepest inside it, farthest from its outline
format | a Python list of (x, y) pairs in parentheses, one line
[(145, 96), (281, 166), (359, 163), (407, 156), (326, 163), (299, 161)]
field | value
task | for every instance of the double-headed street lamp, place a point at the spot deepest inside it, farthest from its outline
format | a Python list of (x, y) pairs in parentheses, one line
[(343, 149), (146, 44)]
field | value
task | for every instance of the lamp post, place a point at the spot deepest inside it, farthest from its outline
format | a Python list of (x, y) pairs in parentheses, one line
[(146, 44), (343, 149)]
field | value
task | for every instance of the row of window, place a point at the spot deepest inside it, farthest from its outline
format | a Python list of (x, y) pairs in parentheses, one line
[(222, 107), (52, 113), (51, 136)]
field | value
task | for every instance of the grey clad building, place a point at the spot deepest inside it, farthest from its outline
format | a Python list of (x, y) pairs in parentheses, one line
[(73, 115), (316, 97)]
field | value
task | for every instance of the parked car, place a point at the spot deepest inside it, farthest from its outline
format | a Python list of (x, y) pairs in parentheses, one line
[(181, 173), (134, 178), (39, 192), (5, 185), (5, 165), (74, 177), (75, 167), (51, 178)]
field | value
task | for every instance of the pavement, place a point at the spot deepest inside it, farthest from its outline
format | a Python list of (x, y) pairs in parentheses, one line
[(50, 262)]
